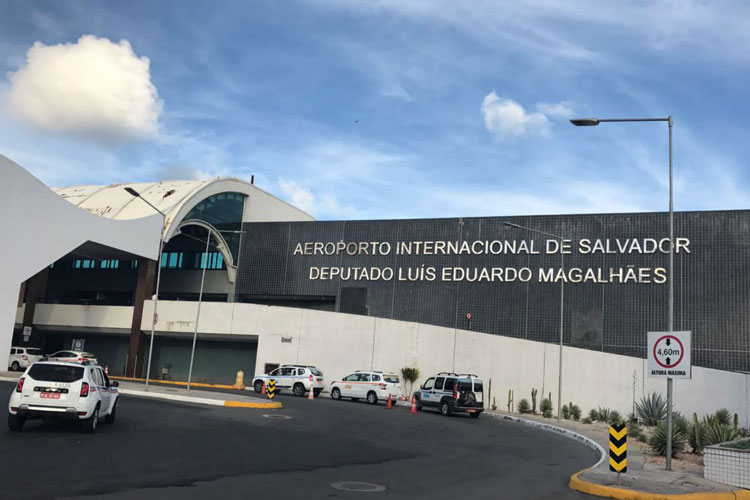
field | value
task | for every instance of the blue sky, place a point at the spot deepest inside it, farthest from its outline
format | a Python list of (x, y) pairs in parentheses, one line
[(363, 109)]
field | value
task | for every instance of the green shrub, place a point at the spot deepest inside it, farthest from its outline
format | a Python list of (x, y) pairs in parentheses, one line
[(575, 412), (634, 430), (697, 435), (586, 420), (631, 418), (545, 406), (717, 433), (604, 414), (723, 416), (641, 438), (593, 415), (680, 423), (651, 409), (658, 440), (524, 406), (547, 414), (615, 418), (565, 411)]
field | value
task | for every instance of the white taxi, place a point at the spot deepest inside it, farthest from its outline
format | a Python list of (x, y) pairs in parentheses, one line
[(371, 385), (57, 390), (299, 378)]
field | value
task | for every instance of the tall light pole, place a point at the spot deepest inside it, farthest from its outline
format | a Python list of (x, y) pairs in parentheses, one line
[(589, 122), (210, 228), (562, 302), (136, 194)]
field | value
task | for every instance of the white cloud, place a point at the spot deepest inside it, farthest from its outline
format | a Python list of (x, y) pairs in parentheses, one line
[(506, 119), (299, 196), (560, 110), (93, 88)]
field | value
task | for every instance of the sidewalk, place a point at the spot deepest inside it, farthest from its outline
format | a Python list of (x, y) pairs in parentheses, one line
[(643, 481), (177, 392)]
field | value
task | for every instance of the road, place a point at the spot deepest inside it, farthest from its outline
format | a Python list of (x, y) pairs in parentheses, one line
[(164, 450)]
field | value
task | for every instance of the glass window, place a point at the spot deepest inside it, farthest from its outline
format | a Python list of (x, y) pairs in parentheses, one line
[(478, 387), (96, 377), (364, 377), (12, 351), (376, 378), (450, 383), (287, 371), (429, 383), (106, 380), (223, 211), (315, 371), (439, 383), (464, 385), (391, 379), (55, 373), (277, 371), (351, 378)]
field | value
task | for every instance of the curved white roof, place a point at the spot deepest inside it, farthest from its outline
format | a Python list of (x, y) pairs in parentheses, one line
[(175, 198)]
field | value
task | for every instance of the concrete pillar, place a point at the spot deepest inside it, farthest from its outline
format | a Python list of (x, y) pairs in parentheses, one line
[(36, 289), (144, 289)]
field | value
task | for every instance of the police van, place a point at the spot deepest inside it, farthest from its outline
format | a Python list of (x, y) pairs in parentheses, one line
[(452, 392)]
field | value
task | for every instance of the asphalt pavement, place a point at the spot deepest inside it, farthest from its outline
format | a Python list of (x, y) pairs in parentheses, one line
[(164, 449)]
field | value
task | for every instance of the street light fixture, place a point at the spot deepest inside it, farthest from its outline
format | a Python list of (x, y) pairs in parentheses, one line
[(136, 194), (588, 122), (562, 298)]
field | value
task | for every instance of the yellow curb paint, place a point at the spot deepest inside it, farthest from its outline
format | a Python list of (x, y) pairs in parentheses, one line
[(243, 404), (601, 490), (175, 382)]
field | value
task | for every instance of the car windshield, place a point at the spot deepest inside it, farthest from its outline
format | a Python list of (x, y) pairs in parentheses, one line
[(34, 352), (55, 373), (393, 379), (464, 385), (315, 371)]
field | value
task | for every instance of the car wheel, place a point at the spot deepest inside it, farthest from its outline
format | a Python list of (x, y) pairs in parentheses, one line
[(110, 419), (15, 422), (258, 386), (15, 367), (299, 390), (335, 393), (372, 398), (474, 415), (89, 425), (445, 409), (418, 404)]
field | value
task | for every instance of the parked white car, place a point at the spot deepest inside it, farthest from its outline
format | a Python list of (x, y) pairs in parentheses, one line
[(299, 378), (22, 357), (371, 385), (72, 357), (55, 390)]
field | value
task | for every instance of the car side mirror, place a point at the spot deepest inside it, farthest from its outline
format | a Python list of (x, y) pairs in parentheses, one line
[(115, 383)]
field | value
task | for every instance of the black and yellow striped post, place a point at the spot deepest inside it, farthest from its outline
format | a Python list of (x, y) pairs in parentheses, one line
[(618, 449), (271, 391)]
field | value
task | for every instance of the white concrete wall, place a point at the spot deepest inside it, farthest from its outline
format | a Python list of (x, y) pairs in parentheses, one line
[(340, 343), (105, 319)]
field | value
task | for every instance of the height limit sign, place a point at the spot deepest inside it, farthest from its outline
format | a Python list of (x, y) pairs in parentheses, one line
[(669, 355)]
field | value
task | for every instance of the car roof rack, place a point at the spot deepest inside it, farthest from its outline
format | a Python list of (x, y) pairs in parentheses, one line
[(449, 373), (468, 375)]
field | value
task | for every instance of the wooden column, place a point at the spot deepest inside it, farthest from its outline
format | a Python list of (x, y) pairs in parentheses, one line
[(144, 289)]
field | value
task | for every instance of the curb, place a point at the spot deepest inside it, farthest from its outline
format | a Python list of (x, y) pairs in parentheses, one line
[(600, 490), (203, 401), (9, 379), (173, 382)]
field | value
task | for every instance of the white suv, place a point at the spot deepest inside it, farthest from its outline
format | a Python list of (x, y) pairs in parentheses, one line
[(373, 385), (22, 357), (452, 392), (56, 390), (299, 378)]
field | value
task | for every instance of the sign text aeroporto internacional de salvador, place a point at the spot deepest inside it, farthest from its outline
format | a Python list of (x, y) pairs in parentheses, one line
[(426, 272)]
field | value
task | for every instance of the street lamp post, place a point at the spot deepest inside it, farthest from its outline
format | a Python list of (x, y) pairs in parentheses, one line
[(136, 194), (562, 302), (198, 313), (589, 122)]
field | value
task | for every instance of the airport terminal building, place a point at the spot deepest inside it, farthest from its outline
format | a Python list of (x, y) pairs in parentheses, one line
[(281, 287)]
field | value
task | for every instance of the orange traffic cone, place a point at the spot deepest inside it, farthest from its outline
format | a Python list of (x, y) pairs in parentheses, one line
[(413, 404), (389, 404), (311, 395), (263, 389)]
